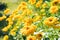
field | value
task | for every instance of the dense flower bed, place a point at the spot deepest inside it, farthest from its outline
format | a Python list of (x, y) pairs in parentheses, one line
[(30, 20)]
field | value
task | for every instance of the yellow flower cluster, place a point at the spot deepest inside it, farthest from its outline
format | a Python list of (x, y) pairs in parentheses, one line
[(41, 14)]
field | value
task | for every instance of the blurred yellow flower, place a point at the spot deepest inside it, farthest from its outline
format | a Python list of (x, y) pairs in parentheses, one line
[(23, 3), (44, 5), (53, 9), (23, 8), (31, 37), (50, 21), (6, 11), (12, 33), (38, 4), (26, 30), (32, 1), (36, 18), (15, 11), (6, 37), (28, 21), (3, 17), (5, 29)]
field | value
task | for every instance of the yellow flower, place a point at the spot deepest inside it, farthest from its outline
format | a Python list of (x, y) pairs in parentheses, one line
[(50, 21), (42, 10), (3, 17), (6, 11), (19, 7), (10, 22), (8, 26), (38, 4), (14, 29), (11, 16), (17, 16), (15, 11), (31, 37), (5, 29), (6, 37), (29, 11), (23, 3), (44, 5), (23, 8), (26, 30), (55, 2), (32, 1), (12, 33), (53, 9), (28, 21), (37, 18)]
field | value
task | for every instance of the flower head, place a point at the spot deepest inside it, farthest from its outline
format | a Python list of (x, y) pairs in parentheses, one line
[(53, 9), (50, 21), (6, 37), (28, 30)]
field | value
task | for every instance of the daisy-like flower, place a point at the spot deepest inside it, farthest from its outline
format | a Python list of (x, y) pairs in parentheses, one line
[(53, 9), (28, 30), (54, 2), (6, 37), (32, 1), (31, 37), (50, 21)]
